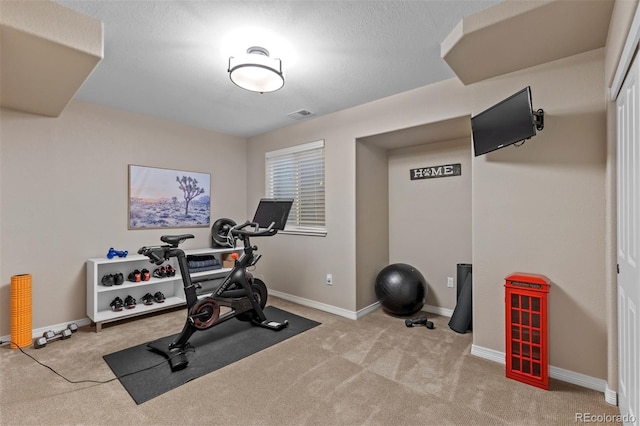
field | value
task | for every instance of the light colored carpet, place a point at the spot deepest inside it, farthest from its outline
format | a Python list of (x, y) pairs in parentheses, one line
[(374, 371)]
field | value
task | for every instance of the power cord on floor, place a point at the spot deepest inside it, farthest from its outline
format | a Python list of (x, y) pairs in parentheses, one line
[(100, 382)]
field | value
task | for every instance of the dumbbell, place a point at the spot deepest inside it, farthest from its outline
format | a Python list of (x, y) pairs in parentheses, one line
[(113, 253), (419, 321), (73, 327), (50, 336)]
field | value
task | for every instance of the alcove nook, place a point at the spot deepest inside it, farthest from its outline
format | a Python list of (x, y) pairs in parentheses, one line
[(422, 222)]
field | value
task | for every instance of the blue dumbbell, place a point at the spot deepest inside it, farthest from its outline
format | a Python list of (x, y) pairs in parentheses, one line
[(113, 253)]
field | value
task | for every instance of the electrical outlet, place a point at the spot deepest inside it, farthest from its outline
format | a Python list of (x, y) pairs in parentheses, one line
[(329, 279), (450, 282)]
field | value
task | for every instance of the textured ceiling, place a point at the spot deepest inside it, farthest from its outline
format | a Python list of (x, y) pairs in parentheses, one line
[(169, 58)]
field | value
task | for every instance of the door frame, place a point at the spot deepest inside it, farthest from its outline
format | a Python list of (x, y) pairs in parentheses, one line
[(628, 52), (633, 39)]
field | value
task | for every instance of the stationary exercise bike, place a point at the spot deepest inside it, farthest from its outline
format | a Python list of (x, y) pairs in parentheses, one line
[(245, 295)]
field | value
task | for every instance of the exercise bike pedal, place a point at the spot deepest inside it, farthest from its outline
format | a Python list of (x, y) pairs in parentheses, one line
[(273, 325), (176, 356), (178, 361)]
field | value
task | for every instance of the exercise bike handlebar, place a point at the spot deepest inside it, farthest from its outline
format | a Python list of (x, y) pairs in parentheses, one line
[(266, 232), (158, 254)]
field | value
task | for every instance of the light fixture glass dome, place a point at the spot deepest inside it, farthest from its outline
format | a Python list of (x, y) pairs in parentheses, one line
[(256, 71)]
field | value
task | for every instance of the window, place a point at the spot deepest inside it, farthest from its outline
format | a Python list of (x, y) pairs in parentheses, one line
[(298, 172)]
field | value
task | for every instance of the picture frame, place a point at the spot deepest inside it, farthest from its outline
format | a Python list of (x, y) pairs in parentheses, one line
[(168, 198)]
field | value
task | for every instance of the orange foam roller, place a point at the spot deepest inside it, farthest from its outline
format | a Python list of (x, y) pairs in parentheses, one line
[(21, 330)]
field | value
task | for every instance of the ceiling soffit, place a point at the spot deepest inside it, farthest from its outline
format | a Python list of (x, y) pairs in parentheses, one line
[(515, 35), (48, 51)]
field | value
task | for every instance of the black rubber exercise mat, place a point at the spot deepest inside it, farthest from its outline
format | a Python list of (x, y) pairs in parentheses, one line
[(215, 348)]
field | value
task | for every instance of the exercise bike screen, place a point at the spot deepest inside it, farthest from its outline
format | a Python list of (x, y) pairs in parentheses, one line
[(273, 210)]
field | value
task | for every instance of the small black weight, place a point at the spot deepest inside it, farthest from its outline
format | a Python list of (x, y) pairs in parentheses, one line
[(419, 321)]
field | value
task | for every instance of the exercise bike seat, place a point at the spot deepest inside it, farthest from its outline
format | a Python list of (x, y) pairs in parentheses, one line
[(174, 240)]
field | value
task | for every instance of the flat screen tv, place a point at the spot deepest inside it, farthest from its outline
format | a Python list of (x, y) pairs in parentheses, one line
[(505, 123)]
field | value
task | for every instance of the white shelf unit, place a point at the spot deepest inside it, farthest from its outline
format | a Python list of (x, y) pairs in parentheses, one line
[(99, 297)]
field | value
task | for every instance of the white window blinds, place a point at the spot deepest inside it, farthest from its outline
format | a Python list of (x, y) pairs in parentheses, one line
[(298, 172)]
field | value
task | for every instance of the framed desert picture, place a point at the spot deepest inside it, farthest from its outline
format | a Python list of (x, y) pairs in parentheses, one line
[(166, 198)]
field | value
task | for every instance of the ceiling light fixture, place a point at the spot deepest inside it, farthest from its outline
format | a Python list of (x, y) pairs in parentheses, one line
[(256, 71)]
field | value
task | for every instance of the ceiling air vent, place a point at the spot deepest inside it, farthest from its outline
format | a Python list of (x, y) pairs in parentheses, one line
[(300, 115)]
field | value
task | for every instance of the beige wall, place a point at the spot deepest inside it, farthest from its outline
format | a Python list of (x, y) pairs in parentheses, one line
[(558, 176), (302, 262), (550, 193), (64, 195), (430, 219), (372, 219), (538, 208), (295, 264)]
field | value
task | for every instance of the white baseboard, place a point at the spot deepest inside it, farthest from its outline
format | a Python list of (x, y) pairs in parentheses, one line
[(437, 310), (318, 305), (578, 379), (354, 315), (555, 373), (38, 332), (368, 310), (489, 354), (611, 396)]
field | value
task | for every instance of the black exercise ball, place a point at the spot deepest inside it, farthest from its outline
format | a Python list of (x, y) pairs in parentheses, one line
[(401, 289)]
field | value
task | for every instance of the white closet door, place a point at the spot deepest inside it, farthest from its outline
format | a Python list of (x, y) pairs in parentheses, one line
[(628, 170)]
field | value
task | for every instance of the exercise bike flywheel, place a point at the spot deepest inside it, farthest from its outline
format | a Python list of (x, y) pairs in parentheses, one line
[(204, 313)]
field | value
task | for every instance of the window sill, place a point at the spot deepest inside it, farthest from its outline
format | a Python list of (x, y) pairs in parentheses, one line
[(308, 232)]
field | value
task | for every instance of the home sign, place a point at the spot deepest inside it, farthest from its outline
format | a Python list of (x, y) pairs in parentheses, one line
[(446, 170)]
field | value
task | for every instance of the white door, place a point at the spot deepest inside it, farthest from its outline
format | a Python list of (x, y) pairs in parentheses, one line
[(628, 167)]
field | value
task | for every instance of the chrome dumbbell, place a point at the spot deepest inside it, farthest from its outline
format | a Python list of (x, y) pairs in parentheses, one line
[(51, 336)]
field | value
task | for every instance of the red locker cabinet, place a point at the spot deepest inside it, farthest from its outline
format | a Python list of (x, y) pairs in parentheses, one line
[(527, 351)]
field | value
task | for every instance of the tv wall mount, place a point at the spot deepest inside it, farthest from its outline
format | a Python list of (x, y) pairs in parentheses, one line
[(538, 119)]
